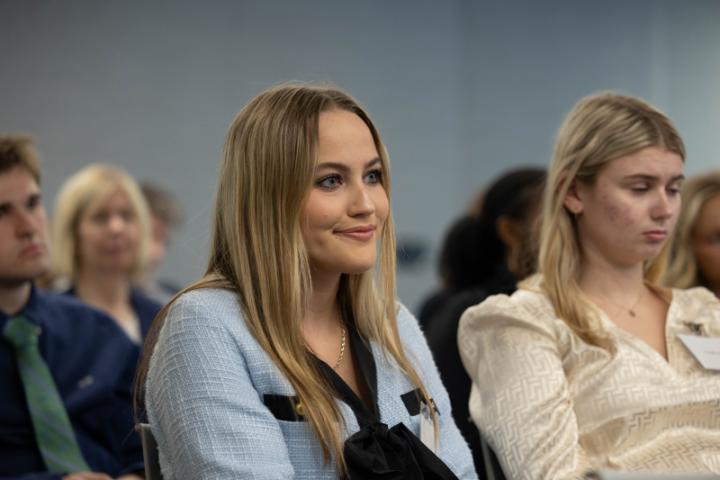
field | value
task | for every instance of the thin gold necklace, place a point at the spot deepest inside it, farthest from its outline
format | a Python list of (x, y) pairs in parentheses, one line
[(630, 311), (342, 350)]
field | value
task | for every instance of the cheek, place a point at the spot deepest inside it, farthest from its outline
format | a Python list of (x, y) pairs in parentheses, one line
[(134, 232), (382, 205), (619, 215), (84, 236), (707, 252)]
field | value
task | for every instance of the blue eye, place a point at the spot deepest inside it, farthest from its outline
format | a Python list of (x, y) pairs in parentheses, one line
[(374, 176), (330, 182)]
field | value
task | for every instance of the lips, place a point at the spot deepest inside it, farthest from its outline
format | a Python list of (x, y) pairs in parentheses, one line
[(656, 235), (362, 233), (31, 250)]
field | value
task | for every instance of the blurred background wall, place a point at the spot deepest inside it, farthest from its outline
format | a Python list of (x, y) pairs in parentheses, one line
[(460, 89)]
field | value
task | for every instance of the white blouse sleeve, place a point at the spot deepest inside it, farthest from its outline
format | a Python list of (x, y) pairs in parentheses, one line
[(520, 399)]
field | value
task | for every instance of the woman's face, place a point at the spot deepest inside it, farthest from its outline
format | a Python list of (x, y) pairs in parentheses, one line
[(343, 216), (625, 216), (109, 234), (706, 242)]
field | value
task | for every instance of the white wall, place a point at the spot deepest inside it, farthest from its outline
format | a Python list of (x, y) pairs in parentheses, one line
[(460, 89)]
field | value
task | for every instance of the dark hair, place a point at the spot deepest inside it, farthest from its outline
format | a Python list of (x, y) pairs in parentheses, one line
[(19, 151), (459, 254), (511, 195), (472, 251), (163, 204)]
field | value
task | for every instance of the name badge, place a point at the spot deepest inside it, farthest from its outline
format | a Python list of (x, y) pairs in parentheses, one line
[(427, 429), (705, 349)]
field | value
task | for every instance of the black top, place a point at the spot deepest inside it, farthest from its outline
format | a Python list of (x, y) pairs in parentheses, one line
[(441, 334)]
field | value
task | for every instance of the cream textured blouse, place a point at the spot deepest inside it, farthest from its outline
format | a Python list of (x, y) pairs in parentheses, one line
[(552, 406)]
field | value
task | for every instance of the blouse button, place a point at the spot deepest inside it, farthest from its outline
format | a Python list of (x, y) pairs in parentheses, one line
[(299, 409)]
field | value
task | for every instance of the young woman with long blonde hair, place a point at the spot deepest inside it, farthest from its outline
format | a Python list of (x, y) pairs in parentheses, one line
[(291, 357), (583, 367)]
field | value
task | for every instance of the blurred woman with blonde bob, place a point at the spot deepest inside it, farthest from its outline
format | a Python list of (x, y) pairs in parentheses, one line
[(583, 367), (291, 357), (695, 254), (101, 233)]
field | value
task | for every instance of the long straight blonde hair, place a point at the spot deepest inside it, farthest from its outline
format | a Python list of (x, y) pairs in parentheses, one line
[(258, 251), (600, 128)]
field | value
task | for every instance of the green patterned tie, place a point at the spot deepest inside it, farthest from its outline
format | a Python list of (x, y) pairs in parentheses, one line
[(54, 433)]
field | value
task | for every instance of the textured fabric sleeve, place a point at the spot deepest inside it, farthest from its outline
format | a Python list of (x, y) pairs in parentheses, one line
[(453, 448), (208, 418), (520, 399)]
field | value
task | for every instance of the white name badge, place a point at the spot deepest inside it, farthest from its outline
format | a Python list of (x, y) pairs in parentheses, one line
[(705, 349)]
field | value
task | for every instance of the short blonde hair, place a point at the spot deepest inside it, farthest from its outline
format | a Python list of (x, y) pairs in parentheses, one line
[(683, 269), (600, 128), (87, 186)]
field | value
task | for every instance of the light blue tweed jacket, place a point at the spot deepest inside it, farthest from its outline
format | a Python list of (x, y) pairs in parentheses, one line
[(205, 389)]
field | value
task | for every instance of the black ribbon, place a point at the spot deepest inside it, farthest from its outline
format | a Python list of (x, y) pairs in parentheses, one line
[(379, 452)]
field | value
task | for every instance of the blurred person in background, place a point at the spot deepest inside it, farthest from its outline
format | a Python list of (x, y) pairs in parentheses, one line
[(101, 235), (457, 255), (695, 254), (66, 369), (585, 366), (166, 216), (500, 250)]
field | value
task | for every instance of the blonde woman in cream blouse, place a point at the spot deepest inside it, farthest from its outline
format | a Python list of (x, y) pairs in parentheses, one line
[(582, 367)]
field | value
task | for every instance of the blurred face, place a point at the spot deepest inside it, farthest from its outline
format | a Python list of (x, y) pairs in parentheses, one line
[(625, 216), (109, 234), (345, 211), (706, 242), (23, 229), (158, 243)]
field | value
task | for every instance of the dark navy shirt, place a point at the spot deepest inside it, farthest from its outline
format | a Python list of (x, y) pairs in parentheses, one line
[(93, 363)]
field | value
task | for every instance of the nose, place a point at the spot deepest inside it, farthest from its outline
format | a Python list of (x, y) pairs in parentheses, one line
[(25, 223), (663, 206), (116, 223), (362, 203)]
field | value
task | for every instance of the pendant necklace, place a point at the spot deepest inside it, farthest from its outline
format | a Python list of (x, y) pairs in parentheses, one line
[(630, 311)]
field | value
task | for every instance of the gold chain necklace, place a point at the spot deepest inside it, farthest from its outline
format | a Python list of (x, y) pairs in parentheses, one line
[(342, 350), (630, 311)]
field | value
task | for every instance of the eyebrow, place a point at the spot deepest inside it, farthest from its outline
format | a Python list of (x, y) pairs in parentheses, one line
[(652, 178), (344, 168)]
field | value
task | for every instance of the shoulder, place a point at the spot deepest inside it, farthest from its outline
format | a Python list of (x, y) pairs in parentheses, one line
[(144, 302), (69, 322), (524, 320), (205, 308), (696, 297), (528, 307), (696, 305), (60, 308), (408, 325)]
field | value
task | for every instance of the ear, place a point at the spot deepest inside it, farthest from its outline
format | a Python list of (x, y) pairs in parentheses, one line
[(508, 231), (573, 201)]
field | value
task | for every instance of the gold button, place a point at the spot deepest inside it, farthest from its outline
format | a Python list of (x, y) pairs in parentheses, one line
[(299, 409)]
